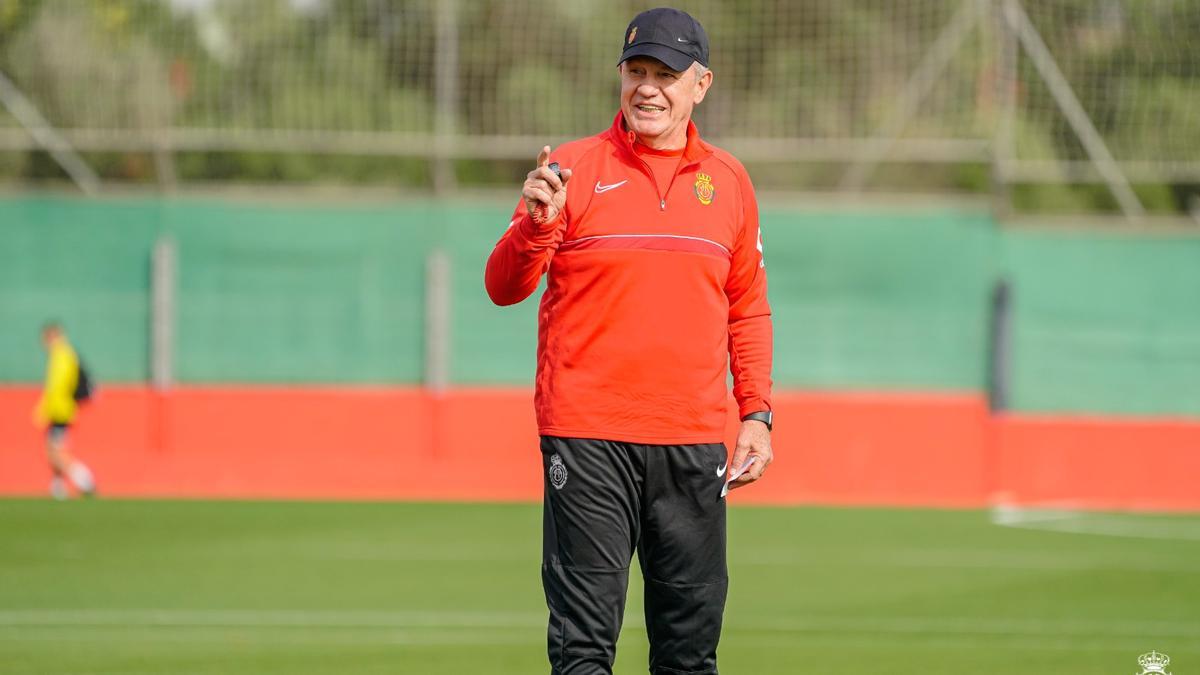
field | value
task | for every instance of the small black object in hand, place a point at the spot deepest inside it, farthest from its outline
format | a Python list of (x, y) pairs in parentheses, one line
[(554, 167)]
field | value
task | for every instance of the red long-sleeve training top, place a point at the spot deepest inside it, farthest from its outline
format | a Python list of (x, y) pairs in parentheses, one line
[(652, 291)]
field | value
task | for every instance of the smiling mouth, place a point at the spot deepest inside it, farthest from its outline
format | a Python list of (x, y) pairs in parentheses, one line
[(649, 108)]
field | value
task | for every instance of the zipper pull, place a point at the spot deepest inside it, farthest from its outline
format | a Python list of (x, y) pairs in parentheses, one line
[(662, 205)]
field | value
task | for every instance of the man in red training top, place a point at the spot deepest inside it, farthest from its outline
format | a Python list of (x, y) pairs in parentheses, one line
[(656, 284)]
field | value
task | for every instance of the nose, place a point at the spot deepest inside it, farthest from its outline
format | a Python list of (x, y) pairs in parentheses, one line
[(647, 90)]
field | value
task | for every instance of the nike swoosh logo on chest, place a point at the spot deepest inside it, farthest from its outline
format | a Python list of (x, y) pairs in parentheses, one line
[(601, 189)]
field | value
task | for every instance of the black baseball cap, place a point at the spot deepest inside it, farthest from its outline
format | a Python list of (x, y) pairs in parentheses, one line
[(666, 34)]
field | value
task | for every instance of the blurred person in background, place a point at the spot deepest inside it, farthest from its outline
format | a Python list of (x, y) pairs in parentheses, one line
[(655, 286), (56, 409)]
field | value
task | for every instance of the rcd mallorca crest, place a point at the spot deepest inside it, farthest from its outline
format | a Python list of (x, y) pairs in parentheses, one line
[(558, 472), (1154, 664), (704, 188)]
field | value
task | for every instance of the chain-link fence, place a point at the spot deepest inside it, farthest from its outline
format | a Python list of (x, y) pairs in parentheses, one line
[(1045, 90)]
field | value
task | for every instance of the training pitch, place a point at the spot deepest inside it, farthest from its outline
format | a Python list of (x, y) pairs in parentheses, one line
[(181, 588)]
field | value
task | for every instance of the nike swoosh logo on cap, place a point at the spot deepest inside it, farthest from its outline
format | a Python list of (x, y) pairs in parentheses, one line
[(601, 189)]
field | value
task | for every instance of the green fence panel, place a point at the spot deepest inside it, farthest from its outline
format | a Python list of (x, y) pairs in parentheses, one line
[(269, 294), (883, 300), (264, 293), (490, 344), (1105, 322), (84, 265)]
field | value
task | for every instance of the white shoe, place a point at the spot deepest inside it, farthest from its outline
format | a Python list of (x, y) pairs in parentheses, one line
[(58, 489)]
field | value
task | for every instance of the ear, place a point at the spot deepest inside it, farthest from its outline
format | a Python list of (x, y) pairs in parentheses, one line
[(702, 85)]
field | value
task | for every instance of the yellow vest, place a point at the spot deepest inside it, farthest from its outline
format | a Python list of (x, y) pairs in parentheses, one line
[(57, 405)]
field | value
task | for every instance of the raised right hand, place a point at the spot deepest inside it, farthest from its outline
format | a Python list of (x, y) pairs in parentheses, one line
[(545, 195)]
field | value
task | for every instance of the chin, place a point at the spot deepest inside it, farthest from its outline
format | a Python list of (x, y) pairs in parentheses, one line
[(647, 129)]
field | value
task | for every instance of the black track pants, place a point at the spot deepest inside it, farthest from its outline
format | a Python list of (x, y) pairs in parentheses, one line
[(603, 500)]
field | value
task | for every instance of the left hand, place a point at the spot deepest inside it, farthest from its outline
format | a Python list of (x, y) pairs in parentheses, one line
[(754, 440)]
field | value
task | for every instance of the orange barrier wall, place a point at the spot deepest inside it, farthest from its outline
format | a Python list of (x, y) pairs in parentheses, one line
[(401, 443), (1101, 463)]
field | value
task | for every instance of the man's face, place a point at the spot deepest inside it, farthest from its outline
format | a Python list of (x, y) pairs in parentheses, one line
[(657, 101)]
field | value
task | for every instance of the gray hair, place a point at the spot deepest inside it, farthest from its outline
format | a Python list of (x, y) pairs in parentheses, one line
[(699, 68)]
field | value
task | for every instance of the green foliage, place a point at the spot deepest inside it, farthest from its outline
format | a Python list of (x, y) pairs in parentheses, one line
[(534, 90), (290, 167), (1073, 198), (14, 164), (90, 70), (1054, 198), (529, 68)]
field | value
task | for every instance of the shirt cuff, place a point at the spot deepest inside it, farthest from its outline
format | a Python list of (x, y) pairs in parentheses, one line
[(543, 234), (753, 405)]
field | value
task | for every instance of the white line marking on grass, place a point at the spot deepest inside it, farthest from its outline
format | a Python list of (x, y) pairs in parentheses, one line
[(889, 644), (958, 558), (489, 620), (357, 551), (1064, 518), (270, 618), (384, 556), (1066, 627), (287, 636), (238, 639)]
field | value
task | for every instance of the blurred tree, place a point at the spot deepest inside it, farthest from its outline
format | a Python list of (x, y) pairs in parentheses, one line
[(811, 69)]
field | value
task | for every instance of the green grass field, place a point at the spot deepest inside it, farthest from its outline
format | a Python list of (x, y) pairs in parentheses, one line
[(180, 588)]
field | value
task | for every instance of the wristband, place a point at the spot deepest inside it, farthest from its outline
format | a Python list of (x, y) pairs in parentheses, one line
[(765, 416)]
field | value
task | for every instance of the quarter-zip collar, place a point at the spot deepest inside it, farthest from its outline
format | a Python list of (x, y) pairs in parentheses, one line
[(694, 150)]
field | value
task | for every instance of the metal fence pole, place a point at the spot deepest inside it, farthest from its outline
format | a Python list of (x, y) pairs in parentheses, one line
[(437, 321), (1077, 117), (1000, 347), (1005, 74), (164, 165), (163, 267), (916, 90), (999, 384), (446, 93), (47, 137)]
